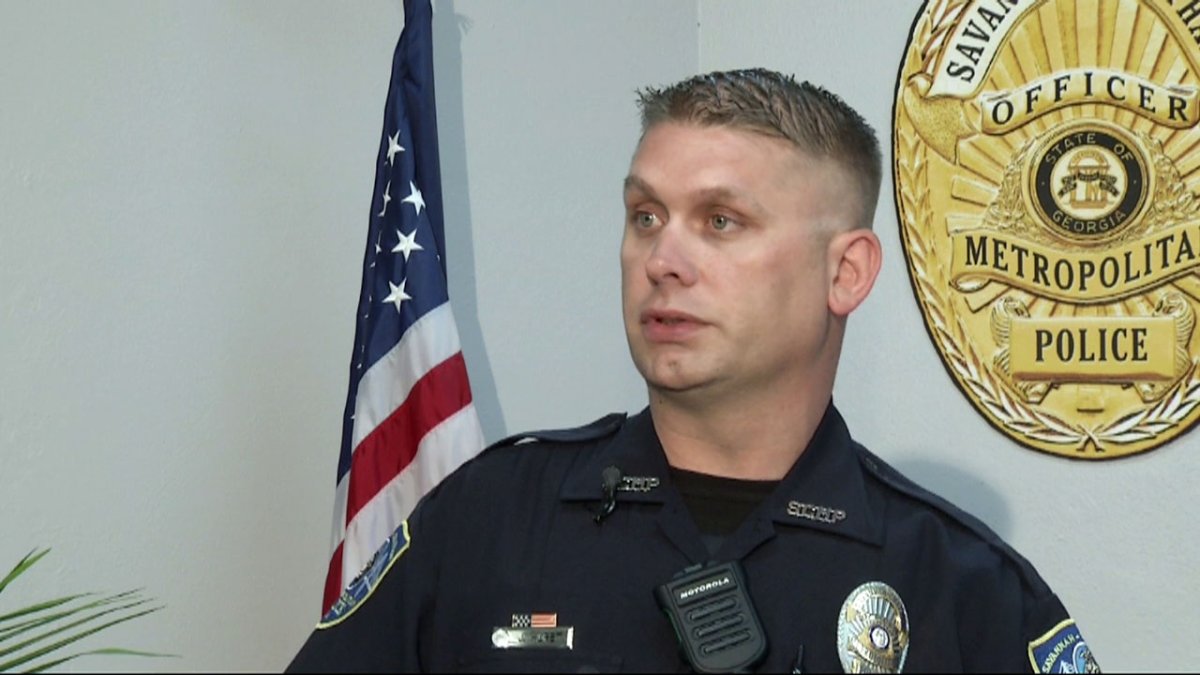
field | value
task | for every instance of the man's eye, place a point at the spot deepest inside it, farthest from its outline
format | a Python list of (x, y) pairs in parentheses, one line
[(721, 222), (645, 219)]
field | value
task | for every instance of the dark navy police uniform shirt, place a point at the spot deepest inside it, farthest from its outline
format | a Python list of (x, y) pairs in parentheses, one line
[(510, 540)]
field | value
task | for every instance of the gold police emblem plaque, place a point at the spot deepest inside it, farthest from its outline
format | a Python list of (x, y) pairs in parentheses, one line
[(1047, 177)]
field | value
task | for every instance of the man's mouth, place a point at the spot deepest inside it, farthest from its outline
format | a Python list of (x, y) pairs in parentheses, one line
[(669, 325)]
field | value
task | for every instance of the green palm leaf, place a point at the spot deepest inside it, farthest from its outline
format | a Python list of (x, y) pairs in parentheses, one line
[(41, 667), (41, 606), (26, 562), (43, 629), (7, 632)]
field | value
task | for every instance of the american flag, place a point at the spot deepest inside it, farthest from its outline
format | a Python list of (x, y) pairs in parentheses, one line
[(535, 620), (409, 420), (543, 620)]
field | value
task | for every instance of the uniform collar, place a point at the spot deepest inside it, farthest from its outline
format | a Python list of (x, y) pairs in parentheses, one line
[(637, 452), (824, 490)]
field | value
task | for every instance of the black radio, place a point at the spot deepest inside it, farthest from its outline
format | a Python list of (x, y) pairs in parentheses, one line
[(714, 619)]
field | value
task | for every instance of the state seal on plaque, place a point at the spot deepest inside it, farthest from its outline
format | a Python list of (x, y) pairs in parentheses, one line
[(1047, 184)]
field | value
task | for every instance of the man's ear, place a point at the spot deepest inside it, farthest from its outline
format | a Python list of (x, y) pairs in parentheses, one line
[(854, 260)]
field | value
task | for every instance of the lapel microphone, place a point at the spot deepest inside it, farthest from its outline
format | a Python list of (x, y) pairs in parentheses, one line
[(610, 478)]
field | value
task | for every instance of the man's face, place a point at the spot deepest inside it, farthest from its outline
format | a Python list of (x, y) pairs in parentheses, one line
[(725, 277)]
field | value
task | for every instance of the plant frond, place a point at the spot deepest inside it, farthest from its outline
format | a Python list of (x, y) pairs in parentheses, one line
[(38, 653), (9, 632), (58, 630), (41, 606), (28, 561), (110, 651), (84, 613)]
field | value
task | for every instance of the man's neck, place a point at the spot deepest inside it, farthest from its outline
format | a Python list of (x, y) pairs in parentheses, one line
[(749, 440)]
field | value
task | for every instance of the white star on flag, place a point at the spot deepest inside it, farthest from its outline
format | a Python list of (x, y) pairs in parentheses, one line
[(393, 147), (387, 197), (414, 197), (407, 244), (398, 296)]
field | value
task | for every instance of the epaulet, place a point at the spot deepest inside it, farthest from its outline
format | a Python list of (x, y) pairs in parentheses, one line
[(905, 486), (602, 428)]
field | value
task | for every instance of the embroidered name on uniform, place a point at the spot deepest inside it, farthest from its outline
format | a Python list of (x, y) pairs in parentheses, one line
[(821, 514), (637, 484)]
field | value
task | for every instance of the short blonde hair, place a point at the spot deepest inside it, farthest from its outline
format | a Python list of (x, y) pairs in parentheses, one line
[(816, 120)]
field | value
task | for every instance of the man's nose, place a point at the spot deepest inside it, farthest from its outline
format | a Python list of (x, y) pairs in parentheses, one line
[(672, 258)]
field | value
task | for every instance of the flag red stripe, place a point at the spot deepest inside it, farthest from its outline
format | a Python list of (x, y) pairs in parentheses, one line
[(333, 581), (382, 455), (544, 621)]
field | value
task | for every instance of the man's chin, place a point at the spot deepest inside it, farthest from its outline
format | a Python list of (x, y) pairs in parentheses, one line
[(675, 383), (672, 371)]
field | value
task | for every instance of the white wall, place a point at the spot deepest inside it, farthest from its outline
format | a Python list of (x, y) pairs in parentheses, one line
[(184, 190)]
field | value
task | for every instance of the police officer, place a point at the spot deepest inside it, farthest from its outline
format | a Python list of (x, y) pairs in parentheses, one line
[(733, 524)]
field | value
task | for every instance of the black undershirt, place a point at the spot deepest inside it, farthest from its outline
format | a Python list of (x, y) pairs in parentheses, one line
[(717, 504)]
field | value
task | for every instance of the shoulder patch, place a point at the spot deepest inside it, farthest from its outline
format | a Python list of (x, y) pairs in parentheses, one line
[(1062, 650), (601, 428), (364, 585)]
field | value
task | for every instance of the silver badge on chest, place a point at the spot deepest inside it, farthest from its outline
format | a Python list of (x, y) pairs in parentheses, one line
[(872, 630)]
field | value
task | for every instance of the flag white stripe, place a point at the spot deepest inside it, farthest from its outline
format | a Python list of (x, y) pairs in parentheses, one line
[(340, 498), (387, 383), (452, 442), (430, 340)]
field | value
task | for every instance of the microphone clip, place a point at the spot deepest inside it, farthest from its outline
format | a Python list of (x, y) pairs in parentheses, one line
[(610, 479)]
